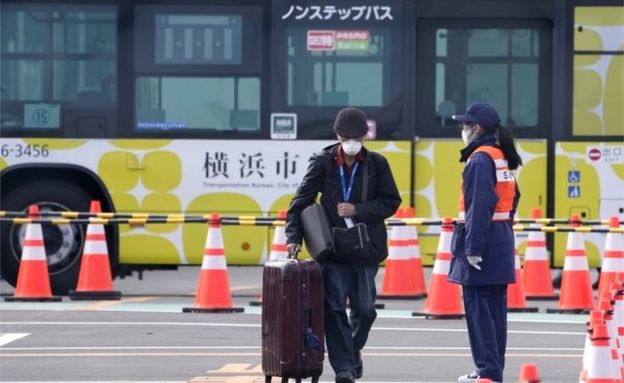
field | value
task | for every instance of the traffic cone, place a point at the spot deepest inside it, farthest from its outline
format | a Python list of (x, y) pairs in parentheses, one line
[(213, 287), (536, 271), (528, 373), (613, 259), (278, 248), (595, 317), (398, 281), (444, 299), (600, 364), (576, 293), (618, 313), (605, 304), (516, 300), (414, 243), (95, 281), (33, 280)]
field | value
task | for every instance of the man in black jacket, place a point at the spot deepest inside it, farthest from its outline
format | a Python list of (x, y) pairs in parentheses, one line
[(337, 173)]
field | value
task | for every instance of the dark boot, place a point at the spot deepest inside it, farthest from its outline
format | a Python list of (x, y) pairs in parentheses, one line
[(359, 366), (345, 377)]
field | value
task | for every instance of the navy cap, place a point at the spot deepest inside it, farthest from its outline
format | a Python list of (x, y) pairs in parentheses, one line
[(351, 123), (480, 113)]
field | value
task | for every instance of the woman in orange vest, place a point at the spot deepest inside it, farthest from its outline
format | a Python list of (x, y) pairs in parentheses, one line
[(483, 240)]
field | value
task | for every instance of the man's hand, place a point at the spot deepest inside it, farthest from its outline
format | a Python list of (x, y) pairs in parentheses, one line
[(474, 261), (346, 210), (293, 249)]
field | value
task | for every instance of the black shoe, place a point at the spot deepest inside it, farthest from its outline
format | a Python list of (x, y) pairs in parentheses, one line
[(359, 366), (345, 377)]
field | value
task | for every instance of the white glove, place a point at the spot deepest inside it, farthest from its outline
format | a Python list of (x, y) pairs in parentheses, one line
[(474, 261)]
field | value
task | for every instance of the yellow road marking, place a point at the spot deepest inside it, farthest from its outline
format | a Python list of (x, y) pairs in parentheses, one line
[(229, 379), (236, 368)]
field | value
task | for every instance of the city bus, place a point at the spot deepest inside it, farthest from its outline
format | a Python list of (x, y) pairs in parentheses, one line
[(198, 106)]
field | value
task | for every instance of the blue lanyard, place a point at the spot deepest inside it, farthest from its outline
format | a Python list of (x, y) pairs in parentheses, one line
[(347, 192)]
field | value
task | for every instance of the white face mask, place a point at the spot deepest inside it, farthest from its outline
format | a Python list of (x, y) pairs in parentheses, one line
[(468, 135), (351, 147)]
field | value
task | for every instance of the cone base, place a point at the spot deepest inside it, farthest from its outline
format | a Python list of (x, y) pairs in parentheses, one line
[(94, 295), (436, 316), (213, 310), (400, 296), (522, 309), (567, 311), (542, 297), (33, 299)]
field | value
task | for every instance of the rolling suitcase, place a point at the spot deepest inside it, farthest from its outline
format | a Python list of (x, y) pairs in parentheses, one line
[(292, 320)]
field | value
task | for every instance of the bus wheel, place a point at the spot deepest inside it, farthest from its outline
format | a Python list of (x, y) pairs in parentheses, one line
[(63, 243)]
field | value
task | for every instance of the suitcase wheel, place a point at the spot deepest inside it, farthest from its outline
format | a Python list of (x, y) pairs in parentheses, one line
[(315, 379), (267, 379), (284, 380)]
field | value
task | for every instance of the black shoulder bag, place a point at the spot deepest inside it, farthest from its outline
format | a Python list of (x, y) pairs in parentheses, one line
[(352, 244)]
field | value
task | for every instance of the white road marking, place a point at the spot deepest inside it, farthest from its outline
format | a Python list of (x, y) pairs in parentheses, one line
[(12, 336), (392, 348), (208, 324)]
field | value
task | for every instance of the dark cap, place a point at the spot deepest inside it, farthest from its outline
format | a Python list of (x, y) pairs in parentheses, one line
[(351, 123), (481, 113)]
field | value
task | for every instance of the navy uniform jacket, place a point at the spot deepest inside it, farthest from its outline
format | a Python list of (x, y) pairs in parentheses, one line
[(479, 235)]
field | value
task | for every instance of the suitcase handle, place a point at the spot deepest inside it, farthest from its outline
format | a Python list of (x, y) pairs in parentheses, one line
[(296, 254)]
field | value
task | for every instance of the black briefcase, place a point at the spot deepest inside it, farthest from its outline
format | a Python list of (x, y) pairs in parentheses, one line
[(316, 232)]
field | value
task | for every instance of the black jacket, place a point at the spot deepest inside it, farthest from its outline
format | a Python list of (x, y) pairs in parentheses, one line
[(323, 177)]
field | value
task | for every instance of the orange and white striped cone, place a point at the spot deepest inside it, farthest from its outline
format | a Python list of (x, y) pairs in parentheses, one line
[(444, 300), (576, 294), (618, 313), (601, 359), (213, 287), (278, 248), (516, 300), (33, 279), (95, 281), (398, 281), (414, 244), (605, 304), (595, 317), (528, 373), (536, 270), (613, 258)]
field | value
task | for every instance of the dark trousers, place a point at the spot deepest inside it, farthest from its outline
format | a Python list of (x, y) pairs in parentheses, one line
[(486, 317), (346, 336)]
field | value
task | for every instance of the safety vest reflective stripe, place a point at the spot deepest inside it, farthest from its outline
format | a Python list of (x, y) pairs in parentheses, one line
[(497, 216)]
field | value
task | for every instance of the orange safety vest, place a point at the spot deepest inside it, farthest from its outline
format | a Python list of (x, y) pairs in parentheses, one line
[(505, 187)]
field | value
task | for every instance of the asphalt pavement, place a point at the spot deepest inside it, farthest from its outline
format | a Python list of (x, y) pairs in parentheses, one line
[(145, 337)]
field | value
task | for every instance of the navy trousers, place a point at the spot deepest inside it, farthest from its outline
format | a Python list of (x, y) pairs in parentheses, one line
[(347, 335), (486, 317)]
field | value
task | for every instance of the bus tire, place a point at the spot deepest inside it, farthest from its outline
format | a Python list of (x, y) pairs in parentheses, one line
[(63, 243)]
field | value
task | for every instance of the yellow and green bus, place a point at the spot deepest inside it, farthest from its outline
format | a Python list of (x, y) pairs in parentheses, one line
[(200, 106)]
